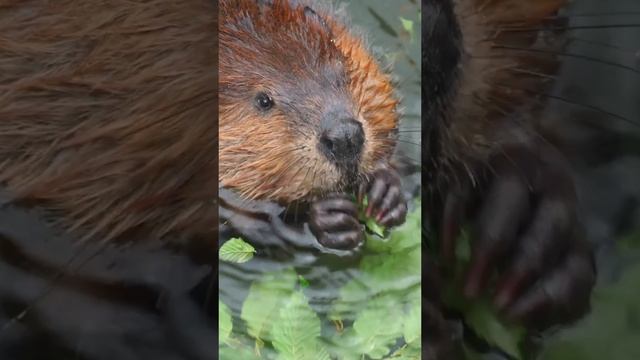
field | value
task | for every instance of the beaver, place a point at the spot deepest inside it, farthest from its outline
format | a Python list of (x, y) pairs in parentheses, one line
[(108, 115), (307, 115), (487, 163)]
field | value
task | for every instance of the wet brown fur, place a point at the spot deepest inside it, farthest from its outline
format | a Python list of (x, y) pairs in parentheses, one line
[(507, 67), (265, 156), (107, 113)]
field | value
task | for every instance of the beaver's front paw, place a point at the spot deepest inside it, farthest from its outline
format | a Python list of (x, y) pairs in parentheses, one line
[(334, 222), (525, 231), (385, 199)]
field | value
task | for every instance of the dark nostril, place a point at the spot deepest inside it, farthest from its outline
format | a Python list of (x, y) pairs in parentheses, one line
[(356, 133), (326, 142)]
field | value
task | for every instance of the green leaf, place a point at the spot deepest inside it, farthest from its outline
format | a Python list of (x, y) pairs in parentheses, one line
[(370, 222), (482, 319), (236, 250), (295, 334), (412, 330), (610, 331), (479, 314), (630, 242), (407, 235), (225, 324), (378, 326), (350, 298), (264, 300), (348, 345), (394, 266), (374, 227), (411, 351), (407, 25), (392, 272), (381, 274), (304, 283), (322, 353), (229, 353)]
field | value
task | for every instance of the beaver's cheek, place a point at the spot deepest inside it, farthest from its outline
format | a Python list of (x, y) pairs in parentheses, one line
[(371, 151)]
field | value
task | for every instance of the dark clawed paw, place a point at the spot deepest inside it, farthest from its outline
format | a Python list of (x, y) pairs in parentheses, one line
[(334, 222), (525, 230), (385, 200), (561, 294)]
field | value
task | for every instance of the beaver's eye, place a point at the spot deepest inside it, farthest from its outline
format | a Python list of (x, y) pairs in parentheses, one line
[(264, 101)]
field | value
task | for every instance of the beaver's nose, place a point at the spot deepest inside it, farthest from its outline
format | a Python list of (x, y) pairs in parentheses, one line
[(342, 140)]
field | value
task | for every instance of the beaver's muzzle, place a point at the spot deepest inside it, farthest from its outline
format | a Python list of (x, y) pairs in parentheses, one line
[(341, 141)]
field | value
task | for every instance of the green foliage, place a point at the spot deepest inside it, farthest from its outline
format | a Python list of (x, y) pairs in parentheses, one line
[(412, 330), (384, 301), (479, 314), (296, 332), (630, 242), (236, 250), (406, 236), (265, 298), (230, 353), (378, 326), (612, 329), (370, 223), (408, 352), (407, 25), (225, 324), (304, 283), (382, 306), (481, 318)]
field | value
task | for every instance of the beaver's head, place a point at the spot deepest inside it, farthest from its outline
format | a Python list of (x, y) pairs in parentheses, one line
[(304, 108)]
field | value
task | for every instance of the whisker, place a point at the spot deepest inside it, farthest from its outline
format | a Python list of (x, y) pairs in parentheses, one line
[(588, 15), (572, 27), (570, 55), (572, 102), (605, 45), (408, 142), (531, 72)]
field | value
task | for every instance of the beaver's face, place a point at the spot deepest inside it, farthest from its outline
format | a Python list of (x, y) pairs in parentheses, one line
[(304, 110)]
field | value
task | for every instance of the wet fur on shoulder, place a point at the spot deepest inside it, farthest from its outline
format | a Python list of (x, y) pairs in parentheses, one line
[(504, 64), (107, 113), (308, 60)]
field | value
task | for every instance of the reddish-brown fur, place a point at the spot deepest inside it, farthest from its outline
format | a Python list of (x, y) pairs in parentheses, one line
[(265, 157), (107, 113), (506, 67)]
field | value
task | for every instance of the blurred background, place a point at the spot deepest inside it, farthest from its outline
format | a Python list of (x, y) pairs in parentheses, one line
[(599, 128)]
